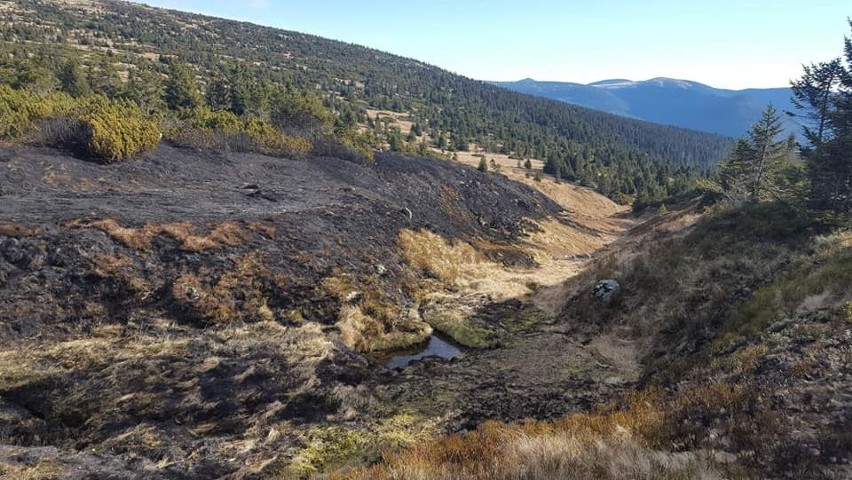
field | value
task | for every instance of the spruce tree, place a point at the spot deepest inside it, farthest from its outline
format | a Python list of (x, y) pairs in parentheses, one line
[(814, 96), (72, 79), (824, 94), (768, 152), (483, 164), (181, 91)]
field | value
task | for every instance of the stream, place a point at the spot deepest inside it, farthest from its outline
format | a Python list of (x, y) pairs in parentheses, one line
[(436, 347)]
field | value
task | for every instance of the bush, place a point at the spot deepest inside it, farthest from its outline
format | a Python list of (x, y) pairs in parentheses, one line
[(20, 109), (223, 130), (110, 130), (119, 130)]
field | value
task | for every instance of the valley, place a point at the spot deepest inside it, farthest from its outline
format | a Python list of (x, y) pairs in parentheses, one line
[(234, 251), (258, 293)]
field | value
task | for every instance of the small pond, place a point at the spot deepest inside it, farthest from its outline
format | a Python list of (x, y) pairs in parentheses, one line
[(435, 348)]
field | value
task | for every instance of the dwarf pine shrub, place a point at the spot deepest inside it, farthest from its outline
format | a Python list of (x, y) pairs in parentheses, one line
[(119, 130)]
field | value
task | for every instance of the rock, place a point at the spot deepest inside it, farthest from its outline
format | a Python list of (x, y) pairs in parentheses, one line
[(607, 291), (13, 251)]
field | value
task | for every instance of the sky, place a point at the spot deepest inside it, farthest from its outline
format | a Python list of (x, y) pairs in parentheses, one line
[(723, 43)]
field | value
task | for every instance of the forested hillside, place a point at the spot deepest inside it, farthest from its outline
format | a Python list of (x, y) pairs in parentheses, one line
[(128, 51)]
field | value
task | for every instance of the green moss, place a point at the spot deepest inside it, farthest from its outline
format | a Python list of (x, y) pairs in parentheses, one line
[(464, 331), (327, 448), (526, 320)]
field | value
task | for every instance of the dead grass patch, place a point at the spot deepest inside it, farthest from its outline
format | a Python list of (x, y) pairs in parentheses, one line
[(449, 261), (265, 229), (18, 230), (239, 294), (135, 238), (606, 444), (228, 233), (369, 320), (42, 470)]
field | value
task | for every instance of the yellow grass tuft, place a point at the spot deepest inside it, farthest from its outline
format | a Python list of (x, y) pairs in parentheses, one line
[(605, 444), (227, 233), (237, 294), (431, 254)]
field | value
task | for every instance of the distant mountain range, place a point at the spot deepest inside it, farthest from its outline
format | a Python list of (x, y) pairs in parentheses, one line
[(682, 103)]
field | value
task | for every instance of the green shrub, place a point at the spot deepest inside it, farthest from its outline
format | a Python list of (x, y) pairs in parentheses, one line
[(119, 130), (20, 109), (220, 129)]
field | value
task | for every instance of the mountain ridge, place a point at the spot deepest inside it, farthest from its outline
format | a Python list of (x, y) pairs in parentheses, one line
[(668, 101)]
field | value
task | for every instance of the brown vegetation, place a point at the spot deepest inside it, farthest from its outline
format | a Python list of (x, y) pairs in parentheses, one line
[(608, 443), (240, 294), (227, 233), (18, 230)]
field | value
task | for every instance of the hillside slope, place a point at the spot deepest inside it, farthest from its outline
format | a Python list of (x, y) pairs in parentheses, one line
[(453, 112), (741, 322), (169, 314), (667, 101)]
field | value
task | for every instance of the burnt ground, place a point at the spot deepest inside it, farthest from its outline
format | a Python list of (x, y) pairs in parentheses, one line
[(307, 218), (176, 316)]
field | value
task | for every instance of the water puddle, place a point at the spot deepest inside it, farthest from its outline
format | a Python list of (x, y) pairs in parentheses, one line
[(435, 348)]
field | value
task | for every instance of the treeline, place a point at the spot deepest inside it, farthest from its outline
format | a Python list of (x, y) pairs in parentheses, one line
[(59, 97), (766, 167), (618, 156)]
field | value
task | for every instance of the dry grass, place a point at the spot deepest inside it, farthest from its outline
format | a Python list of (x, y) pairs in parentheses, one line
[(227, 233), (369, 320), (265, 229), (606, 444), (239, 294), (135, 238), (106, 266), (365, 333), (43, 470), (18, 230), (450, 262)]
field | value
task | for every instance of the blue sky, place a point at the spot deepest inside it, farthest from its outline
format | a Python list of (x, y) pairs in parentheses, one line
[(723, 43)]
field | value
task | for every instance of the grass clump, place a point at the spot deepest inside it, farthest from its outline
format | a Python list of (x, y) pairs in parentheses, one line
[(431, 254), (43, 470), (239, 294), (327, 447), (606, 444), (369, 320)]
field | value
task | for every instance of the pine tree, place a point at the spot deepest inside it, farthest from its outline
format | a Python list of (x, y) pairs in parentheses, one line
[(753, 168), (181, 91), (768, 152), (814, 95), (104, 79), (824, 93), (483, 164), (219, 94), (145, 88), (72, 79)]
